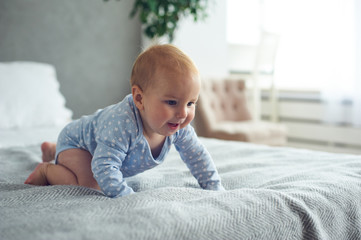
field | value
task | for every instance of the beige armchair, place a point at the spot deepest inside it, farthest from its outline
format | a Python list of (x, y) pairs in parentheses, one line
[(222, 112)]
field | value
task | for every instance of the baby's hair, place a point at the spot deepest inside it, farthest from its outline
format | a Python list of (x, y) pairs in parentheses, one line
[(158, 58)]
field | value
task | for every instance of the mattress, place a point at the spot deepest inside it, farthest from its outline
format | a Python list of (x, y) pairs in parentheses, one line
[(271, 193)]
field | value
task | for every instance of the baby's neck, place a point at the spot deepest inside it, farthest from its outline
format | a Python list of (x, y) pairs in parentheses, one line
[(155, 143)]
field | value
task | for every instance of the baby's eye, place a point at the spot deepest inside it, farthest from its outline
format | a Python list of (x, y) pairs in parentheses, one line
[(190, 104), (171, 102)]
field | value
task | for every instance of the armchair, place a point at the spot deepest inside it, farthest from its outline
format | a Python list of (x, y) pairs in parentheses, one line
[(222, 112)]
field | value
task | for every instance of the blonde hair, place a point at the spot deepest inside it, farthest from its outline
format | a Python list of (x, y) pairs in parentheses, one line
[(158, 58)]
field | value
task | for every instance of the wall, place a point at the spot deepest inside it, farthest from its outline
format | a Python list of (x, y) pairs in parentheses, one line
[(205, 41), (91, 43)]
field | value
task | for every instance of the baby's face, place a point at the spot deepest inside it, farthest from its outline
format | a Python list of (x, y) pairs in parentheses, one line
[(169, 103)]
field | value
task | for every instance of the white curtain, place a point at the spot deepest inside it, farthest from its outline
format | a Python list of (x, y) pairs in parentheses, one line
[(342, 96), (356, 119), (320, 50)]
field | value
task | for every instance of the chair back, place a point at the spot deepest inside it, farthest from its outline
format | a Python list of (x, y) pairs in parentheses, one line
[(221, 100)]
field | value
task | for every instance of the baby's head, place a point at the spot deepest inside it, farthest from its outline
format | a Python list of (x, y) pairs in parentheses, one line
[(160, 60), (165, 87)]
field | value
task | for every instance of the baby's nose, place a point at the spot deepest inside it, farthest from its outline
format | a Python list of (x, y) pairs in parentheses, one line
[(182, 112)]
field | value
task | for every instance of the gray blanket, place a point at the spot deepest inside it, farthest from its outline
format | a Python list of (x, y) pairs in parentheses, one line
[(272, 193)]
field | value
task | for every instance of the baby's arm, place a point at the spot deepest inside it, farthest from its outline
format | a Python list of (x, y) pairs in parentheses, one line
[(106, 166), (199, 161)]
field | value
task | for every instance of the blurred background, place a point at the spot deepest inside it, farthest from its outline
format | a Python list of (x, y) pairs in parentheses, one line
[(305, 56)]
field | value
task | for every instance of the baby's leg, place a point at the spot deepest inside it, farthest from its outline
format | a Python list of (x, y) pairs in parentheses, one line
[(48, 149), (51, 174), (38, 176), (73, 168), (78, 161)]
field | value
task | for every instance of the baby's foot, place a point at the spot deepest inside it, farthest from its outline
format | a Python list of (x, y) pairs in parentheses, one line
[(38, 177), (48, 149)]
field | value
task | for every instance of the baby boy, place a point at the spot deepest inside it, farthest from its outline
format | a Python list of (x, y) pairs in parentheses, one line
[(101, 150)]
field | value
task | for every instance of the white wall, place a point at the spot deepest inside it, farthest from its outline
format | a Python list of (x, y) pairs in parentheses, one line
[(205, 41)]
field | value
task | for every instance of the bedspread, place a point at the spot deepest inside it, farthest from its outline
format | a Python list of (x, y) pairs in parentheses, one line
[(272, 193)]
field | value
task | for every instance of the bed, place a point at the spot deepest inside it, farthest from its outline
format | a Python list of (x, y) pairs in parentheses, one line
[(271, 193)]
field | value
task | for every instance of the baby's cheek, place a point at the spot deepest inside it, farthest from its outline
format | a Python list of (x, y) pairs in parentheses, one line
[(188, 120), (191, 115)]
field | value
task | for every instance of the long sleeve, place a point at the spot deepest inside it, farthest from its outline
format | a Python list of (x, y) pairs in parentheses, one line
[(106, 166), (198, 159), (114, 136)]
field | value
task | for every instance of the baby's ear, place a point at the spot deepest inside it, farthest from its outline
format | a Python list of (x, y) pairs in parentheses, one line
[(137, 96)]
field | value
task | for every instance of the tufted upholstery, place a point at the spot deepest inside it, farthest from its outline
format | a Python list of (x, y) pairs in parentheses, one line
[(222, 113)]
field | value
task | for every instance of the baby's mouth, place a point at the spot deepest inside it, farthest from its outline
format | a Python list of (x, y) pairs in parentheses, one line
[(173, 125)]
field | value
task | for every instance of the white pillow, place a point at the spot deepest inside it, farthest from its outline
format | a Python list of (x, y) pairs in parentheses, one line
[(30, 96)]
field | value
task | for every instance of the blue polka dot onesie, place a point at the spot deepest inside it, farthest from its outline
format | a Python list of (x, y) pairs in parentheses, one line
[(114, 137)]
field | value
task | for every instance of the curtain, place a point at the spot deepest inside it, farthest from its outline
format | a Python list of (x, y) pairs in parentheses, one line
[(342, 95), (356, 119), (320, 48)]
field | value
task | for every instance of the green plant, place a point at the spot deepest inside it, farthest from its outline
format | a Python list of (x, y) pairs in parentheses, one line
[(160, 17)]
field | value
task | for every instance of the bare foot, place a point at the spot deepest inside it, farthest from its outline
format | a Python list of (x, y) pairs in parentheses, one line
[(38, 177), (48, 149)]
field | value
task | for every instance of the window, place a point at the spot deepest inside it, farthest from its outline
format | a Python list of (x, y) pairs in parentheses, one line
[(317, 44)]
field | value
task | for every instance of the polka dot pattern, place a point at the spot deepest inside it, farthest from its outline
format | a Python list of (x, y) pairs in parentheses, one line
[(113, 136)]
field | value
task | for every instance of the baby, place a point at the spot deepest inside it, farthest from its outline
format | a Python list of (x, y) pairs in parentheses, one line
[(101, 150)]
